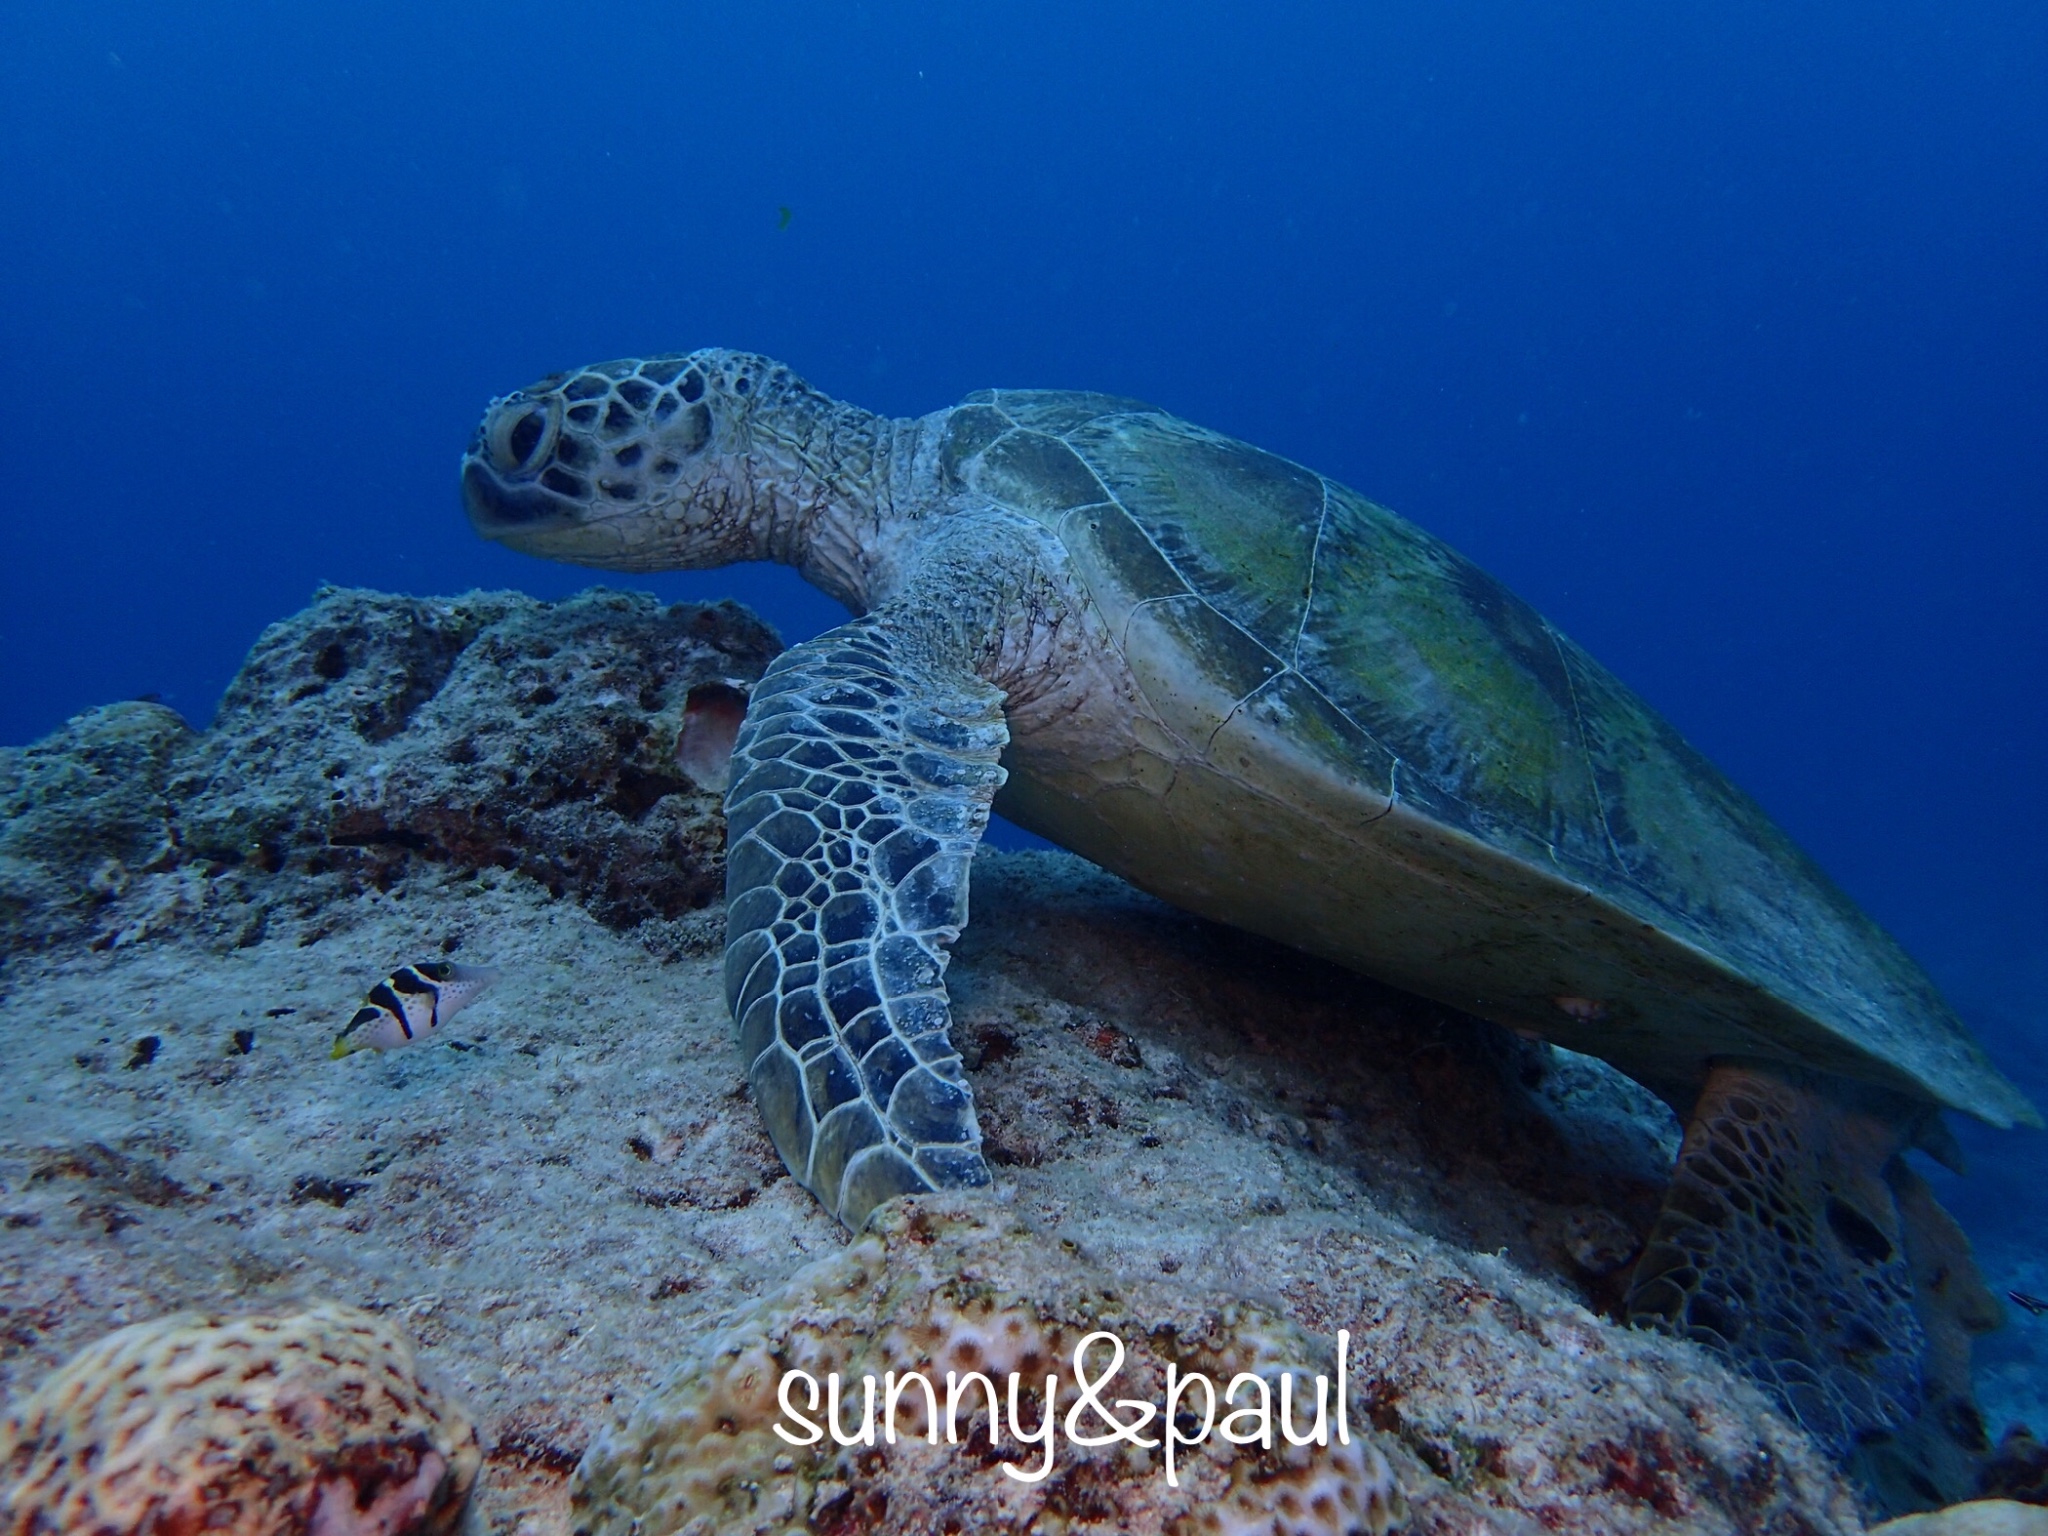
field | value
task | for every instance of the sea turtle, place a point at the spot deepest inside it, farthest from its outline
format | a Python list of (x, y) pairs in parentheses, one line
[(1251, 691)]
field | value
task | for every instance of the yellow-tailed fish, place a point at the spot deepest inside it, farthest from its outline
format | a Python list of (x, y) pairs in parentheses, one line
[(411, 1003)]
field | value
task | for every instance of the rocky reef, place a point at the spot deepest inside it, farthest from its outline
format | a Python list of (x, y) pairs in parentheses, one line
[(372, 733), (1216, 1149)]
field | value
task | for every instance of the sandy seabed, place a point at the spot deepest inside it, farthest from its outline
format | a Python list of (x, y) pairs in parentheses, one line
[(570, 1183)]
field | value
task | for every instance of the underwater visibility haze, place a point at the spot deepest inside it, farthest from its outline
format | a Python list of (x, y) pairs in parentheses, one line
[(1717, 333)]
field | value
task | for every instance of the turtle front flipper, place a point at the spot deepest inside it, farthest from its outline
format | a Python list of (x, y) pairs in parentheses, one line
[(1782, 1244), (861, 782)]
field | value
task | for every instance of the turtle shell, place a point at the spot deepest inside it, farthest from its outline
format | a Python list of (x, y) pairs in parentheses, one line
[(1538, 845)]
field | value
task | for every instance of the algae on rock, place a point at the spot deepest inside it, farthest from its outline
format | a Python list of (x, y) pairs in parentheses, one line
[(370, 732), (83, 813), (487, 730), (944, 1288)]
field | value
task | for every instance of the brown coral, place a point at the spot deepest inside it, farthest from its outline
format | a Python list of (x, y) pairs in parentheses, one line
[(371, 735), (487, 729), (1983, 1517), (313, 1423), (84, 813), (942, 1287)]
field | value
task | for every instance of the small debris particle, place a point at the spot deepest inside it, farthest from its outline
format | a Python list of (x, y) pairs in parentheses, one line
[(110, 1218), (1113, 1045), (1007, 1152), (136, 1177), (990, 1044), (640, 1147), (278, 1013), (699, 1195), (1599, 1243), (144, 1051), (335, 1192), (245, 1041), (535, 1449)]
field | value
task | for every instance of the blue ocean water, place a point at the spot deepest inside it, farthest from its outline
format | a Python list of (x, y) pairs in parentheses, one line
[(1718, 331)]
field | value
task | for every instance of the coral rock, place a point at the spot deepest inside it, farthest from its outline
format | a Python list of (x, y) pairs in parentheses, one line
[(2018, 1469), (1983, 1517), (83, 812), (257, 1426), (487, 729), (578, 743), (943, 1286)]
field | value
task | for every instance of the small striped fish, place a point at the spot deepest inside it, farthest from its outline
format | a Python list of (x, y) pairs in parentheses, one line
[(411, 1003)]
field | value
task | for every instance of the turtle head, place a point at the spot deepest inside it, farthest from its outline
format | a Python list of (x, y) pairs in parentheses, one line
[(633, 465)]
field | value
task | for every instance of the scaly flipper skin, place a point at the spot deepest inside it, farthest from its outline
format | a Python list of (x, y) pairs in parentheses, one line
[(1937, 1458), (861, 784), (1781, 1244)]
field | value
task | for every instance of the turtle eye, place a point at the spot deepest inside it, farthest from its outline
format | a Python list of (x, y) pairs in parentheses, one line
[(526, 436), (520, 442)]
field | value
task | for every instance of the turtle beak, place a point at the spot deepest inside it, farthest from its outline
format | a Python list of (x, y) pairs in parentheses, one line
[(537, 520), (507, 512), (509, 482)]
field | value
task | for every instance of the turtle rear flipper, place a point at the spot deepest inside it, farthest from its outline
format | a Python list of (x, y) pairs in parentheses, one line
[(1937, 1458), (861, 784), (1782, 1245)]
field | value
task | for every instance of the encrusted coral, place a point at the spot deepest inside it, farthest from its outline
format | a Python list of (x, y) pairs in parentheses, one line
[(371, 733), (2018, 1469), (486, 729), (941, 1287), (1981, 1517), (315, 1422), (84, 812)]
